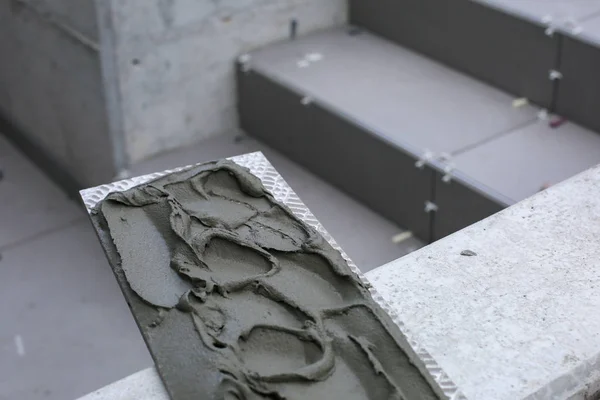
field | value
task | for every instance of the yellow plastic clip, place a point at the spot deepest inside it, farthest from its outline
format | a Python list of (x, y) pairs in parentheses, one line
[(518, 103)]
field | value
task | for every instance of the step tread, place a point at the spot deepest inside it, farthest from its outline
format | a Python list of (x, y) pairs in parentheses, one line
[(397, 94), (522, 162), (539, 10)]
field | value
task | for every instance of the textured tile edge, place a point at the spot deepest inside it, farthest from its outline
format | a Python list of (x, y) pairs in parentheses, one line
[(258, 164)]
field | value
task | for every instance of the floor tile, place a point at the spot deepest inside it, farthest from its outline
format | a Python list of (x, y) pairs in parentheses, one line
[(66, 329), (30, 204)]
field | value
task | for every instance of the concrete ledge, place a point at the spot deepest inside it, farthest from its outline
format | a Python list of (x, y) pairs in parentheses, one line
[(518, 320)]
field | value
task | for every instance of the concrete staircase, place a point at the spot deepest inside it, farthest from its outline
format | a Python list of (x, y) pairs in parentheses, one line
[(419, 141)]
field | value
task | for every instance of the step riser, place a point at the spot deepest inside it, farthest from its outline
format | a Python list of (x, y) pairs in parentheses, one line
[(578, 96), (461, 205)]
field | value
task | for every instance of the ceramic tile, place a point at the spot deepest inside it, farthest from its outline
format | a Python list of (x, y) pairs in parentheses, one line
[(523, 162)]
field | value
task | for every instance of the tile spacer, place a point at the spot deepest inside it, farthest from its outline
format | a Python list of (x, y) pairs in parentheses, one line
[(447, 178), (430, 207), (244, 61), (306, 101), (426, 157), (555, 75)]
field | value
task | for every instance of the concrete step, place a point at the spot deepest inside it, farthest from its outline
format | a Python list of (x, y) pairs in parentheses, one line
[(512, 45), (384, 124)]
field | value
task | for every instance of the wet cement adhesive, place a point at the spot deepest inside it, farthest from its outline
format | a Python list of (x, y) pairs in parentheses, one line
[(239, 299)]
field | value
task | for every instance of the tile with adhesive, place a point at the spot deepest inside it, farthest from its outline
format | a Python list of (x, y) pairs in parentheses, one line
[(66, 329), (30, 203)]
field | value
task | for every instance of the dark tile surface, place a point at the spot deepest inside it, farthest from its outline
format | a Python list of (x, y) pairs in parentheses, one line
[(579, 89)]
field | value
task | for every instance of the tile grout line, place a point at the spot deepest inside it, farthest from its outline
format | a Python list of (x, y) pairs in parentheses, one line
[(498, 135), (41, 234)]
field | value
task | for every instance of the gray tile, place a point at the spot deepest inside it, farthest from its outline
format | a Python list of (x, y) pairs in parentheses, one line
[(521, 163), (578, 96), (30, 203), (591, 29), (362, 233), (66, 329), (557, 9)]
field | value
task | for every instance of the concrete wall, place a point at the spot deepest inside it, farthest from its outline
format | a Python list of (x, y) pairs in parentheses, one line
[(51, 83), (173, 62), (100, 84), (80, 15)]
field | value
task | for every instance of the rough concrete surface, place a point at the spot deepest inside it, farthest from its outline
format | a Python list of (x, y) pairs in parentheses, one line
[(174, 62), (52, 85), (518, 320), (79, 15)]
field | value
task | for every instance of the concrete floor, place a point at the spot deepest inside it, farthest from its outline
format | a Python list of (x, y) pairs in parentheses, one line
[(66, 329)]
